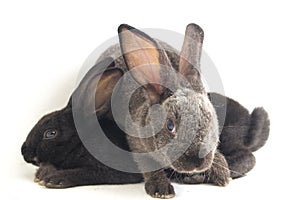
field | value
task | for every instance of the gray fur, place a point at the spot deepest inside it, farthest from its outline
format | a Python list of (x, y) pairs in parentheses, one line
[(197, 131)]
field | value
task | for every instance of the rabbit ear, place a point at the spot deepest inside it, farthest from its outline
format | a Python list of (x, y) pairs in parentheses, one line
[(145, 59), (189, 64), (94, 91), (105, 87)]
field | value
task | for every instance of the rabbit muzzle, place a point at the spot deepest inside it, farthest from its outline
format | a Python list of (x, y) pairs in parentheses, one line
[(29, 155), (194, 163)]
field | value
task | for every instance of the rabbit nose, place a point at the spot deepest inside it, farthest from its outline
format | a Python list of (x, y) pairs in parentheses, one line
[(23, 149), (198, 162)]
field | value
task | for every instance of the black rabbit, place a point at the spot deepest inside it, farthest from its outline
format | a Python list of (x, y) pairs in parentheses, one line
[(54, 145), (63, 160)]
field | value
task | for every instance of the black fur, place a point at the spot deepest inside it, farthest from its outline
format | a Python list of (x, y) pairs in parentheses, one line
[(64, 161), (241, 133)]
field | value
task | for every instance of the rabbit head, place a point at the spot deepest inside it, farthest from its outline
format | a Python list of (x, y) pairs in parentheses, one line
[(190, 128), (54, 139), (51, 139)]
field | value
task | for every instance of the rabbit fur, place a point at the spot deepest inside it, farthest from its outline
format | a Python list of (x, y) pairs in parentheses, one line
[(223, 129)]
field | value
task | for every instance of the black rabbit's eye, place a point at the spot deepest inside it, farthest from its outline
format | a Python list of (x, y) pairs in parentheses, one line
[(49, 134), (170, 126)]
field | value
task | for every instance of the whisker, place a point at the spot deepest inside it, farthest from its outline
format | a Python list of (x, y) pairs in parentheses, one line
[(179, 177), (172, 174), (228, 168)]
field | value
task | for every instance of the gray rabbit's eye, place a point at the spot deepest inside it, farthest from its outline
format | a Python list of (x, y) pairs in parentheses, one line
[(170, 126), (49, 134)]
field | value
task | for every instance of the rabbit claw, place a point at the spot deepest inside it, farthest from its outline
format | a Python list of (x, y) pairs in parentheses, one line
[(36, 180), (160, 190), (50, 177)]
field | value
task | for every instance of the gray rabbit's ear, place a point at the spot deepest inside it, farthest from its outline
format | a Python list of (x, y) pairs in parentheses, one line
[(189, 63), (94, 91), (146, 60)]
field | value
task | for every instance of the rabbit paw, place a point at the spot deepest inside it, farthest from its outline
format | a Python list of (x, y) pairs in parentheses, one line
[(50, 177), (163, 190), (223, 181), (219, 173), (220, 177)]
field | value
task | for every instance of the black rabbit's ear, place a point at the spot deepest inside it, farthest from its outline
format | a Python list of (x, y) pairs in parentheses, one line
[(105, 88), (94, 91), (189, 64), (145, 59)]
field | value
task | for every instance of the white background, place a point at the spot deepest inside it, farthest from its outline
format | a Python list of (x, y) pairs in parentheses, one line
[(255, 46)]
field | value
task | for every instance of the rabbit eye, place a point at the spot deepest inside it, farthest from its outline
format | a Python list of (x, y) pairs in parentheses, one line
[(49, 134), (170, 126)]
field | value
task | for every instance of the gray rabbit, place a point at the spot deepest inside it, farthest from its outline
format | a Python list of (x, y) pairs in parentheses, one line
[(191, 125)]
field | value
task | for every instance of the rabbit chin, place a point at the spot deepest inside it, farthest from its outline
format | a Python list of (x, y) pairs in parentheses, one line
[(33, 160), (191, 165)]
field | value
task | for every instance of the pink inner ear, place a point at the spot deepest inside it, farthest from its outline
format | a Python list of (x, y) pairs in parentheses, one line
[(144, 58), (157, 88), (190, 56), (153, 94), (142, 54)]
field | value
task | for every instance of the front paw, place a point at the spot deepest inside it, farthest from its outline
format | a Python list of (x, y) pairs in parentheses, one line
[(219, 173), (222, 180), (159, 189), (50, 177)]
